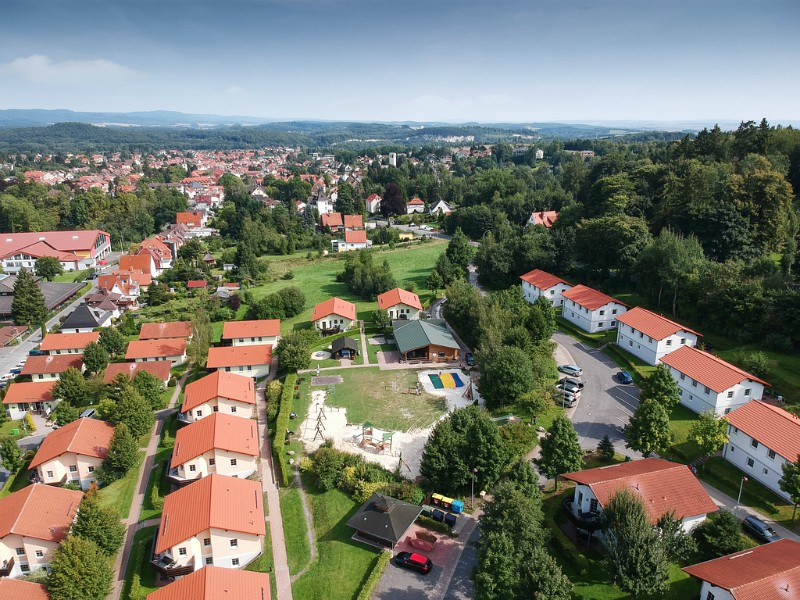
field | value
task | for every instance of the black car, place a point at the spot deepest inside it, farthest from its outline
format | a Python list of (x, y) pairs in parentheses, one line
[(469, 359), (414, 561), (760, 530)]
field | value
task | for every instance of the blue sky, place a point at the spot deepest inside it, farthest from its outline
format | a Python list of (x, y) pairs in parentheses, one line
[(490, 60)]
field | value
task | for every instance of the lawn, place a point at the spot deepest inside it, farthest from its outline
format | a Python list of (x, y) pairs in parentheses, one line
[(367, 396), (119, 494), (265, 563), (682, 450), (372, 350), (139, 562), (5, 429), (158, 474), (294, 529), (341, 565), (71, 276), (17, 481)]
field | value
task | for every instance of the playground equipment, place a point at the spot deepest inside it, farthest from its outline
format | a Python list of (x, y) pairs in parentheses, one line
[(380, 440)]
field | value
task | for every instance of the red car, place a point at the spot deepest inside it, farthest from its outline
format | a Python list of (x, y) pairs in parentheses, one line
[(414, 561)]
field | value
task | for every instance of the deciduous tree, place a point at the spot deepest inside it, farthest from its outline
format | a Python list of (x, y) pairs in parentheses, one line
[(99, 523), (150, 387), (11, 455), (80, 571), (506, 375), (71, 387), (123, 454), (648, 429), (709, 432), (112, 340), (133, 410), (95, 358), (790, 482), (560, 451), (48, 267), (661, 386)]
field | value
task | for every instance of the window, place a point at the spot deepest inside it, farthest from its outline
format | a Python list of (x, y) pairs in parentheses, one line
[(710, 596), (683, 341), (706, 389), (771, 454), (39, 553), (73, 469), (649, 339), (212, 462), (215, 409), (235, 562), (766, 471), (631, 343), (613, 312), (233, 410), (754, 443), (732, 449), (600, 324), (641, 335), (241, 340), (209, 560), (593, 505), (91, 469), (613, 323), (735, 430), (727, 410), (602, 312), (750, 462), (694, 383), (206, 541), (234, 543), (747, 391), (198, 413), (683, 376), (49, 473), (24, 568), (192, 468), (181, 551), (233, 462), (730, 394), (669, 342), (20, 551)]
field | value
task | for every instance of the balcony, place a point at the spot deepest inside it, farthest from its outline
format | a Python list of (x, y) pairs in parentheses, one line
[(588, 521), (166, 566), (7, 567)]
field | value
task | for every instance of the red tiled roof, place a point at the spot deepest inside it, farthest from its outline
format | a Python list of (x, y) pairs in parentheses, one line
[(358, 236), (354, 221), (216, 583), (767, 572), (138, 262), (87, 437), (16, 589), (248, 329), (774, 427), (398, 296), (68, 341), (39, 511), (171, 329), (219, 384), (39, 249), (332, 219), (663, 486), (416, 202), (56, 363), (160, 369), (705, 368), (155, 348), (218, 432), (66, 241), (542, 279), (217, 502), (36, 391), (334, 306), (189, 218), (544, 217), (588, 297), (239, 356), (652, 324), (195, 284)]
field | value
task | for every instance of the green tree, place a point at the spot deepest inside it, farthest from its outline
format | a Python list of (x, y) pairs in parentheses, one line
[(709, 432), (459, 252), (560, 451), (392, 202), (382, 320), (123, 454), (611, 243), (720, 534), (48, 267), (661, 386), (790, 482), (28, 307), (671, 261), (636, 554), (648, 429), (345, 203), (112, 340), (100, 524), (133, 410), (150, 387), (11, 455), (605, 448), (80, 571), (157, 294), (678, 545), (64, 414), (201, 337), (71, 387), (506, 375), (294, 350), (95, 358)]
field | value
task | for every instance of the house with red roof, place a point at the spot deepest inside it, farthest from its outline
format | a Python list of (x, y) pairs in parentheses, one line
[(415, 205), (168, 349), (224, 444), (247, 333), (373, 204), (708, 383), (17, 589), (35, 396), (49, 367), (333, 315), (74, 249), (33, 522), (167, 329), (216, 583), (545, 218), (223, 392), (649, 336), (761, 438), (354, 239), (332, 220), (662, 485), (158, 250), (251, 360), (161, 370), (216, 520), (197, 284), (68, 343), (353, 222), (400, 304), (194, 219), (591, 310), (767, 572), (144, 262), (538, 283), (72, 453)]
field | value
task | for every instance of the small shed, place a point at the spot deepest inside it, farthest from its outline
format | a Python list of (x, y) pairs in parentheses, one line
[(383, 521), (344, 347)]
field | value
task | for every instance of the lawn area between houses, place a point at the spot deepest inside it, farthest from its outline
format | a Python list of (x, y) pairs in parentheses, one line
[(265, 562), (19, 480), (139, 562), (372, 349), (7, 428), (119, 494), (294, 529), (158, 476)]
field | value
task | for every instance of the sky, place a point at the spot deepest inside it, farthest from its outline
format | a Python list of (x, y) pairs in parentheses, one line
[(407, 60)]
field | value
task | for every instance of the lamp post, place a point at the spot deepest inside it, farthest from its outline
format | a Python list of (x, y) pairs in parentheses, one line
[(739, 497), (472, 497)]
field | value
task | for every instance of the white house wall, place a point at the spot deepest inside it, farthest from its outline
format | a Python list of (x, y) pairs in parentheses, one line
[(649, 350), (603, 318), (531, 293), (739, 451)]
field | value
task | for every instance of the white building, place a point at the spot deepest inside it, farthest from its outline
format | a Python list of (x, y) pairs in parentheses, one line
[(248, 333), (441, 208), (650, 336), (415, 205), (591, 310), (373, 204), (400, 304), (540, 283), (353, 240), (392, 159)]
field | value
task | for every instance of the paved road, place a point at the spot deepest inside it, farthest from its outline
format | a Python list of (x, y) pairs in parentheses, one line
[(461, 586)]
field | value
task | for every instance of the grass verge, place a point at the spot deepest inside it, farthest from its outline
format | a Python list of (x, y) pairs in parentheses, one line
[(139, 562), (158, 476), (265, 563), (294, 529), (119, 494)]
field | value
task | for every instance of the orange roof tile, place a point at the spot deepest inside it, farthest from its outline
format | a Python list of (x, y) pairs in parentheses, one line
[(218, 432), (217, 502), (542, 279), (331, 219), (87, 437), (248, 329), (16, 589), (545, 217), (160, 369), (416, 202), (663, 486), (156, 348), (358, 236), (39, 511), (239, 356), (55, 363), (705, 368), (171, 329), (354, 221), (196, 284), (398, 296), (768, 572), (334, 306), (68, 341), (588, 297), (652, 324), (774, 427), (189, 218), (219, 385), (139, 262), (216, 583), (36, 391)]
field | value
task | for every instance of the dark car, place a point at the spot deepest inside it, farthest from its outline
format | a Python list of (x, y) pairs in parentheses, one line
[(469, 359), (760, 530), (624, 377), (414, 561), (35, 352), (572, 381)]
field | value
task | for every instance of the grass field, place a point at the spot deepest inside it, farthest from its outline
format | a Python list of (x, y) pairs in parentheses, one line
[(158, 474), (373, 350), (119, 494), (294, 529), (139, 562), (366, 396), (265, 562)]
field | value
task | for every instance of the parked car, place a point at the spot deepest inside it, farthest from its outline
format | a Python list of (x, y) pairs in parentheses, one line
[(570, 387), (565, 398), (414, 561), (624, 377), (425, 227), (469, 359), (16, 371), (7, 377), (88, 413), (573, 370), (572, 381), (35, 352), (760, 530)]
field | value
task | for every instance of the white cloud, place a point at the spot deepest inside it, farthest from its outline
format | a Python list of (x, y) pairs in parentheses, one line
[(39, 68)]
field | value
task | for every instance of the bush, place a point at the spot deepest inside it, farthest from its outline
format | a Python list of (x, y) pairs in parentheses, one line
[(29, 423), (374, 575), (282, 426), (779, 342), (757, 363), (172, 382)]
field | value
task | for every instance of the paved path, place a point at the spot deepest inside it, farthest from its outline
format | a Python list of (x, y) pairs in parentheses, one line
[(364, 352)]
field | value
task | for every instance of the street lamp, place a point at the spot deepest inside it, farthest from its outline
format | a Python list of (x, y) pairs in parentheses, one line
[(472, 500), (739, 497)]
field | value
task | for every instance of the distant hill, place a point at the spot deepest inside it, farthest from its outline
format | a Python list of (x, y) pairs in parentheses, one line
[(157, 118)]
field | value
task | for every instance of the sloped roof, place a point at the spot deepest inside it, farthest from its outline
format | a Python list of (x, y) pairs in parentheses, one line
[(35, 391), (767, 572), (774, 427), (170, 329), (398, 296), (652, 324), (588, 297), (189, 218), (385, 518), (160, 369), (239, 356), (334, 306), (87, 437), (332, 219), (544, 217), (140, 262), (358, 236), (218, 432), (219, 385), (413, 334), (16, 589), (353, 221), (216, 583), (663, 486), (196, 284), (41, 248), (705, 368), (248, 329), (155, 348), (55, 363), (39, 511), (542, 279), (217, 502), (66, 241), (416, 201), (82, 317), (68, 341), (344, 342)]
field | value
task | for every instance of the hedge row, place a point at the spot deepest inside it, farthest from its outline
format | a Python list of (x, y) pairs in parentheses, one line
[(374, 576), (282, 424)]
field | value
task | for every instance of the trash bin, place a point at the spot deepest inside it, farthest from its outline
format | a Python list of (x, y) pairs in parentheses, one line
[(437, 515), (15, 431), (450, 520)]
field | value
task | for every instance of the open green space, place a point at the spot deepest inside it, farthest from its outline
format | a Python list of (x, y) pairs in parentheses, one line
[(139, 562), (158, 475), (368, 395), (17, 481), (682, 449), (71, 276), (119, 495), (372, 349), (294, 530), (7, 429), (265, 562)]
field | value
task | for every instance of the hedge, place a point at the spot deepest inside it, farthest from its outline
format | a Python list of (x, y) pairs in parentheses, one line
[(282, 424), (374, 576)]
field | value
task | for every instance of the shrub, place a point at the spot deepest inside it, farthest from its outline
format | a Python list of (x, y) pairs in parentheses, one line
[(282, 426), (757, 363), (374, 575), (172, 382), (29, 423), (779, 342)]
